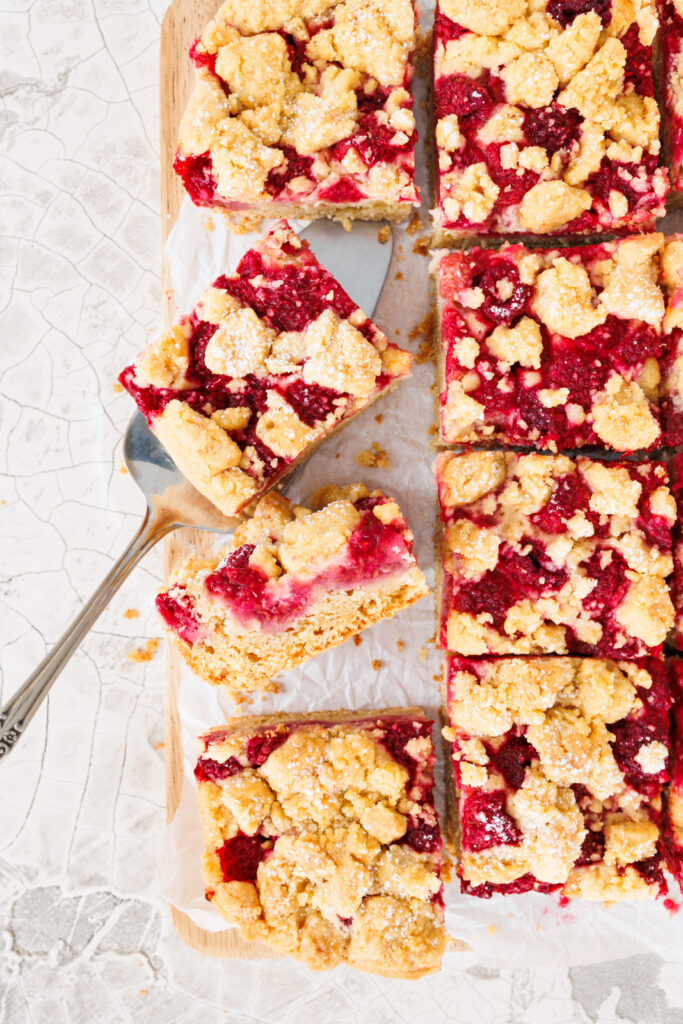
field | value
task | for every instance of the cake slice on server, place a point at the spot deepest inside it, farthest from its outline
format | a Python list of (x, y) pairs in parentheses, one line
[(292, 583), (272, 359)]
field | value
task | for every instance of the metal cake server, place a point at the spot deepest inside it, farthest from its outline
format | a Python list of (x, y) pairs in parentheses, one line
[(360, 265)]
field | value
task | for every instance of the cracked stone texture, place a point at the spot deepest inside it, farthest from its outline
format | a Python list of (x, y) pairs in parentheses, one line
[(83, 936)]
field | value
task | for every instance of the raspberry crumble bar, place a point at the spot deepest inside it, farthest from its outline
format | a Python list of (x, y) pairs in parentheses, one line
[(671, 17), (673, 793), (303, 108), (322, 838), (545, 118), (292, 583), (558, 768), (271, 360), (563, 348), (542, 554)]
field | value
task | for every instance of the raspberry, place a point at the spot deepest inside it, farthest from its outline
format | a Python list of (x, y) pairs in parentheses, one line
[(504, 294)]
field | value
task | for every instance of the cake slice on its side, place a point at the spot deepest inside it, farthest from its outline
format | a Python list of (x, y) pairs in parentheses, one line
[(563, 348), (273, 358), (321, 837), (291, 584), (303, 109), (557, 774), (542, 554)]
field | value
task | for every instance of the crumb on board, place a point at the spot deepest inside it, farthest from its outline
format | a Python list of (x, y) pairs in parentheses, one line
[(376, 664), (131, 613), (117, 386), (358, 640), (379, 417), (374, 458), (422, 654), (123, 470), (433, 429), (160, 745), (145, 653), (421, 247), (436, 677), (493, 928), (338, 455), (424, 352), (413, 225), (398, 276), (384, 234), (400, 644)]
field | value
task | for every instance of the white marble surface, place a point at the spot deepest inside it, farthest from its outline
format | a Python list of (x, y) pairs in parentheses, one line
[(83, 935)]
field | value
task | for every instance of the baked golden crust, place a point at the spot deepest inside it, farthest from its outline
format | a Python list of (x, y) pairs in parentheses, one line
[(319, 578), (322, 839)]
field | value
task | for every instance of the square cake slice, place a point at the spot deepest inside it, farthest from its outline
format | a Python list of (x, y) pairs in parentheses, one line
[(671, 46), (303, 109), (557, 774), (545, 119), (542, 554), (562, 348), (273, 358), (321, 837), (292, 583)]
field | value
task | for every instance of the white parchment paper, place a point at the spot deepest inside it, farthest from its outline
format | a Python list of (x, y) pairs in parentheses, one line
[(526, 930)]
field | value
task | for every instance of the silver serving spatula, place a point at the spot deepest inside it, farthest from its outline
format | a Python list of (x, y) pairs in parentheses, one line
[(360, 265)]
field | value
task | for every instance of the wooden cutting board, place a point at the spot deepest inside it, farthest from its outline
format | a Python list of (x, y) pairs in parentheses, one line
[(184, 21)]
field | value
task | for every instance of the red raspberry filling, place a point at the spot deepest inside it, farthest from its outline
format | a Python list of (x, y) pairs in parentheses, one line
[(208, 770), (177, 613), (240, 857), (259, 748), (197, 176), (486, 823), (565, 11)]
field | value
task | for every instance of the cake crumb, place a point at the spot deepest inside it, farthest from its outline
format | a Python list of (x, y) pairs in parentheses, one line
[(145, 653), (123, 470), (374, 458), (358, 640), (447, 869), (398, 276), (421, 247), (400, 644), (117, 386), (493, 928), (209, 224), (347, 224), (379, 417), (424, 353), (142, 991), (423, 329), (131, 613), (159, 746), (384, 234), (433, 429), (422, 653), (414, 224), (376, 664)]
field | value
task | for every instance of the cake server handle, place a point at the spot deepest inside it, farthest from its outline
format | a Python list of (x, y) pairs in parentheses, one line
[(22, 706)]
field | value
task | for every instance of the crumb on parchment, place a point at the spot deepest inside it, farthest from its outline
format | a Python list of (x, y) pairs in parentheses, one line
[(384, 234), (374, 458), (358, 640), (131, 613), (145, 653), (376, 664)]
